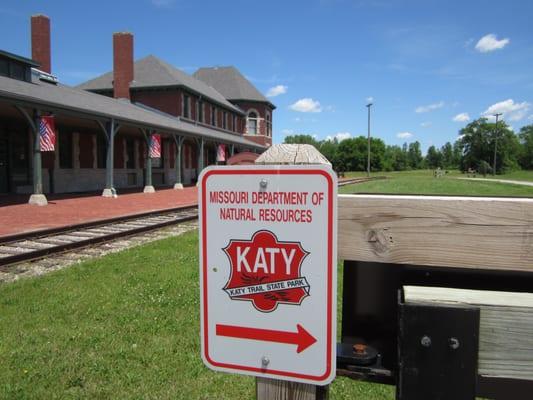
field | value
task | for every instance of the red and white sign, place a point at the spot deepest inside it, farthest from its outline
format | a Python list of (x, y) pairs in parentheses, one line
[(268, 257)]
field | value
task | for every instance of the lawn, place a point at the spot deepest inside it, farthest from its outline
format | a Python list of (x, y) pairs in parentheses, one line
[(124, 326), (423, 182)]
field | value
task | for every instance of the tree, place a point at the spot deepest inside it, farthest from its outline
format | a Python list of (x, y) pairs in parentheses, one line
[(478, 140), (414, 155), (301, 139), (433, 158), (526, 140), (447, 156), (352, 153), (330, 149)]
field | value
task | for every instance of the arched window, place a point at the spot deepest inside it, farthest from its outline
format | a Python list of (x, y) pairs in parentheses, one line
[(251, 123)]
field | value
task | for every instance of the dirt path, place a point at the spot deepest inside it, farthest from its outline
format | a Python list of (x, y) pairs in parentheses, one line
[(523, 183)]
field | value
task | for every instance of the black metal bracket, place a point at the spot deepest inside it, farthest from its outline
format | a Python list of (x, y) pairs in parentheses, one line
[(437, 352)]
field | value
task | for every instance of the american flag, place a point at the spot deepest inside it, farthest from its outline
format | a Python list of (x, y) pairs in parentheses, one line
[(155, 146), (47, 134)]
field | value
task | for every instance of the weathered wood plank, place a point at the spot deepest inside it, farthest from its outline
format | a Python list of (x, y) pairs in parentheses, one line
[(272, 389), (505, 327), (469, 232), (292, 154)]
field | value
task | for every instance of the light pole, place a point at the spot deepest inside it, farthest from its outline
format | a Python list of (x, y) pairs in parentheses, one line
[(368, 155), (495, 144)]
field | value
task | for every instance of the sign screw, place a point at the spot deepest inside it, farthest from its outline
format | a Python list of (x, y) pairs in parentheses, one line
[(425, 341), (263, 183), (265, 361), (453, 343)]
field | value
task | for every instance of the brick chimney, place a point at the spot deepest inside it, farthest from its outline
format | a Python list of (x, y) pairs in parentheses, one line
[(40, 41), (122, 64)]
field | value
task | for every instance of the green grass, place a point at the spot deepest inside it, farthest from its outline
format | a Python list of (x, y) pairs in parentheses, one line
[(124, 326), (423, 182)]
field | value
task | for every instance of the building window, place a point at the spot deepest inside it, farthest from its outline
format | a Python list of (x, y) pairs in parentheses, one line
[(201, 111), (65, 149), (234, 125), (186, 106), (225, 120), (268, 126), (130, 151), (101, 151), (251, 123), (4, 67), (213, 116)]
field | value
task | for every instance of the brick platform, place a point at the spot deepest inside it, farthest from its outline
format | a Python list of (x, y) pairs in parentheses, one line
[(68, 210)]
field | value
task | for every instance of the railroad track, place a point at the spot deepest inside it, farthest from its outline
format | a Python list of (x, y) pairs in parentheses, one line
[(33, 246), (350, 181)]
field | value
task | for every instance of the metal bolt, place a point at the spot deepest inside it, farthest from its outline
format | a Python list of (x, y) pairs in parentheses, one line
[(453, 343), (265, 361), (263, 183), (425, 341)]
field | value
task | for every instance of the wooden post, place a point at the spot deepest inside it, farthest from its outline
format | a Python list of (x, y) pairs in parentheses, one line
[(269, 389)]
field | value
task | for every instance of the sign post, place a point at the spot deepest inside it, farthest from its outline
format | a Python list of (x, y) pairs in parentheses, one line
[(268, 260)]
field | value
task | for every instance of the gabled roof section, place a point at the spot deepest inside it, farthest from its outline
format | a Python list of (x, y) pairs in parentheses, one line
[(230, 83), (152, 72)]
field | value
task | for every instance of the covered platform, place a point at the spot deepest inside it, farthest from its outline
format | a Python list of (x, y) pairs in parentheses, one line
[(17, 216)]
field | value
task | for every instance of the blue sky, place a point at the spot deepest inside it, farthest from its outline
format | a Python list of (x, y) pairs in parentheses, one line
[(423, 63)]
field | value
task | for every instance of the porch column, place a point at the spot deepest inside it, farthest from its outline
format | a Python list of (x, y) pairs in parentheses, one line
[(178, 140), (110, 129), (200, 155), (231, 150), (37, 197), (148, 187)]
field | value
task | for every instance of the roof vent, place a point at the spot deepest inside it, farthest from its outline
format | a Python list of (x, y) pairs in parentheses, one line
[(45, 76)]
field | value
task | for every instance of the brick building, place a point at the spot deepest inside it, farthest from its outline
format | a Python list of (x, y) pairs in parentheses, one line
[(103, 126)]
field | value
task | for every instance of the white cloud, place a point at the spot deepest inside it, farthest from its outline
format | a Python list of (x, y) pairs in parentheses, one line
[(510, 110), (369, 99), (404, 135), (429, 107), (490, 43), (463, 117), (340, 136), (425, 124), (306, 105), (277, 90)]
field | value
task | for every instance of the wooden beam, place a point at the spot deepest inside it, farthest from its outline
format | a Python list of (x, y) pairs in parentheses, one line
[(505, 327), (462, 232)]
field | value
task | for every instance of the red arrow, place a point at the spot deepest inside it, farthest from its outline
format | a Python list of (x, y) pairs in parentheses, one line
[(301, 338)]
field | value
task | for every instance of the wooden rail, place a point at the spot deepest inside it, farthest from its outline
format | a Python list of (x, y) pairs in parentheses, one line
[(465, 232)]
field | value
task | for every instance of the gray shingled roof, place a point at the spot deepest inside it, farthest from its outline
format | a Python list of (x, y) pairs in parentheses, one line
[(60, 98), (230, 83), (150, 72)]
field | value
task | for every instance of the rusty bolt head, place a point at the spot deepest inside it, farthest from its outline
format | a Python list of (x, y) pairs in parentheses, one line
[(359, 348)]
